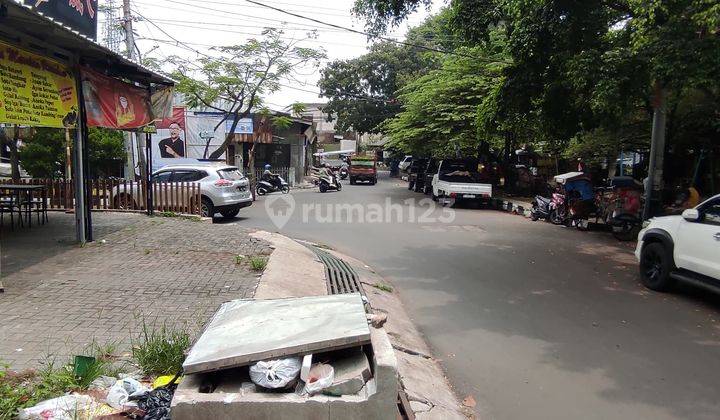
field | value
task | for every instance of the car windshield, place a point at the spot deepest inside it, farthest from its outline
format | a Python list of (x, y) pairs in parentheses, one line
[(232, 174)]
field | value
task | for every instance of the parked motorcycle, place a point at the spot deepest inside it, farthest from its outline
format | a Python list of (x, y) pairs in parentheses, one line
[(267, 186), (623, 207), (558, 211), (541, 208), (329, 182)]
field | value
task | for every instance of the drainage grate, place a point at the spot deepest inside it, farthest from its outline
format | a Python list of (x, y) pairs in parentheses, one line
[(340, 277)]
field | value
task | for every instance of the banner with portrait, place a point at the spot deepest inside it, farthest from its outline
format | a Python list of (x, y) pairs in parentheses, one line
[(35, 91), (111, 103), (170, 140)]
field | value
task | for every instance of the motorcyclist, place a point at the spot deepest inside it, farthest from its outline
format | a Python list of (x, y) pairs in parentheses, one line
[(272, 178), (325, 171)]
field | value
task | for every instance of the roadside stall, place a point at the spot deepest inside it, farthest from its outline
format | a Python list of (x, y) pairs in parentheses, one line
[(54, 74)]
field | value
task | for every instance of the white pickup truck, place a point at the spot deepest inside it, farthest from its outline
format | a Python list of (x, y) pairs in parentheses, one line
[(458, 180)]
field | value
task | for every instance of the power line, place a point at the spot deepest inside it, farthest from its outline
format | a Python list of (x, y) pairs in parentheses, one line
[(423, 47)]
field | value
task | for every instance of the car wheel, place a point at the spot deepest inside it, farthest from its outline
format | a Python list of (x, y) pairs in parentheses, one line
[(655, 267), (207, 209), (229, 214)]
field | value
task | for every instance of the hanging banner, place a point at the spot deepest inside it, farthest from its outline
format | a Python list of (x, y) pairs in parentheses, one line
[(161, 101), (111, 103), (35, 91), (80, 15), (169, 141)]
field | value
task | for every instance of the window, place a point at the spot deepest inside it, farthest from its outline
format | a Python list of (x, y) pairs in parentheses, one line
[(711, 212), (162, 176), (231, 174), (188, 176)]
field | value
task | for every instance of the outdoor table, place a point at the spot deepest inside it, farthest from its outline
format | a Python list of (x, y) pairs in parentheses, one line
[(28, 191)]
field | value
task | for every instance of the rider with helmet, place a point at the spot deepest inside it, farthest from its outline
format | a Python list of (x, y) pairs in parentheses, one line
[(272, 178)]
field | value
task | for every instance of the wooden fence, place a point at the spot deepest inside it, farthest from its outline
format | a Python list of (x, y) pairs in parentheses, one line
[(122, 195)]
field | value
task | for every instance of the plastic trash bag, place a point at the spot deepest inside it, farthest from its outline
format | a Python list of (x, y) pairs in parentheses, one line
[(122, 390), (62, 408), (321, 377), (275, 374), (156, 403)]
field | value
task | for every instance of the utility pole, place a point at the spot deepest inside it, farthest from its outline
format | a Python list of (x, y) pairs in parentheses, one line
[(657, 152), (130, 45)]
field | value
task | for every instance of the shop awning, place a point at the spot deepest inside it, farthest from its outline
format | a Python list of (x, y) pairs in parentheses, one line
[(38, 33)]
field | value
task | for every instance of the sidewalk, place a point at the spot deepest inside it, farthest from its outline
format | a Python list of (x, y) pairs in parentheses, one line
[(60, 297), (428, 391)]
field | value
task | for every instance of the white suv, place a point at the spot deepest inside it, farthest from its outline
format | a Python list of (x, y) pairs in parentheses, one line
[(224, 188), (683, 248)]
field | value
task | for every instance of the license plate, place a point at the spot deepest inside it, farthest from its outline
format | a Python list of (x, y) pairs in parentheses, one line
[(469, 196)]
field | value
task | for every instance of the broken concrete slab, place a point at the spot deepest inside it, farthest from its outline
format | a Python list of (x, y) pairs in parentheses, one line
[(235, 398), (352, 371), (245, 331)]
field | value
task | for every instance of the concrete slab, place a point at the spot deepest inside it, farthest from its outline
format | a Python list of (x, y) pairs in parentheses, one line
[(246, 331), (236, 399), (351, 373)]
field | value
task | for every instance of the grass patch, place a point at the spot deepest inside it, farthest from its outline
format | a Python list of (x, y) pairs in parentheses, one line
[(258, 263), (160, 350), (178, 215), (239, 259), (27, 388), (383, 287)]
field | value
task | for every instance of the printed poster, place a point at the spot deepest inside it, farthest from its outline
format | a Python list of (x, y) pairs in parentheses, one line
[(35, 91), (111, 103)]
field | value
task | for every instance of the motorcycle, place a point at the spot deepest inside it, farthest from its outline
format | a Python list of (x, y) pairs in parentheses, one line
[(558, 212), (541, 208), (329, 182), (344, 172), (267, 186), (622, 208)]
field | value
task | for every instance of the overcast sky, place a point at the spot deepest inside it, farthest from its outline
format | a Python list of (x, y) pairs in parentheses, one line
[(204, 23)]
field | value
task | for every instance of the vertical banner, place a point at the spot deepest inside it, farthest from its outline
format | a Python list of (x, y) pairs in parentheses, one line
[(111, 103), (35, 91), (169, 141)]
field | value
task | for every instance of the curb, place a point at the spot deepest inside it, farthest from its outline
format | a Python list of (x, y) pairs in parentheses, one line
[(520, 208)]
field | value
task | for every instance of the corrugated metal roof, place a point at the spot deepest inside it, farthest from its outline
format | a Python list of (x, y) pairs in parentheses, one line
[(23, 20)]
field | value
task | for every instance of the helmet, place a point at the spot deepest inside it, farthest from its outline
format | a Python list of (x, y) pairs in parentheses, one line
[(267, 166)]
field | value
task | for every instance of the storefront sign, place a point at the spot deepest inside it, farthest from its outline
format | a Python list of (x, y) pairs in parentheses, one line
[(80, 15), (111, 103), (244, 126), (35, 91)]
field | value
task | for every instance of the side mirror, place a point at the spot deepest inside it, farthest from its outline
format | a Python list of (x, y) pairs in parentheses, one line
[(691, 215)]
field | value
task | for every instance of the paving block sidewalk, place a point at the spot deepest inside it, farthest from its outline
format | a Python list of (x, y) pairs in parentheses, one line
[(60, 297)]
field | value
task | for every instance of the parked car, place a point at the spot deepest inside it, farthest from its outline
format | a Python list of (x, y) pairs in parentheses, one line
[(430, 171), (363, 169), (416, 174), (405, 163), (224, 189), (459, 180), (685, 248)]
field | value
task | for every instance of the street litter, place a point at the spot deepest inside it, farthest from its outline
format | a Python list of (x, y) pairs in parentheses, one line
[(120, 393), (321, 377), (276, 374), (66, 407), (156, 403), (164, 380)]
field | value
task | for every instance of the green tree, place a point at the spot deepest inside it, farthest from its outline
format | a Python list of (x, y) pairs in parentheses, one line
[(235, 81), (43, 154), (363, 90)]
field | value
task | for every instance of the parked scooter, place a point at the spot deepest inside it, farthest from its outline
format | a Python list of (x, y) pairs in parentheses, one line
[(558, 211), (271, 186), (541, 208), (328, 182)]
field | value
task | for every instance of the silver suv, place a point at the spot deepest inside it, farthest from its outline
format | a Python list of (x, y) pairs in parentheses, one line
[(224, 188)]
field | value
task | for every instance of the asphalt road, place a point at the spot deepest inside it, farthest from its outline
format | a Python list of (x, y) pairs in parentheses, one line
[(532, 320)]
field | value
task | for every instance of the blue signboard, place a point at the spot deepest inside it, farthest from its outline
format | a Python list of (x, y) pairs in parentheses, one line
[(244, 126)]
